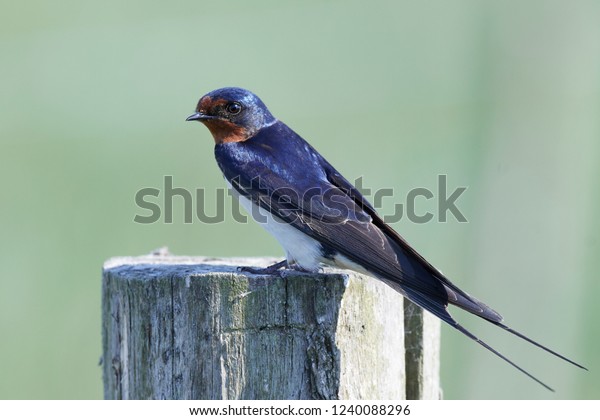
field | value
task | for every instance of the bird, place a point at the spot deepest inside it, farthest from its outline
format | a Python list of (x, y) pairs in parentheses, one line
[(319, 217)]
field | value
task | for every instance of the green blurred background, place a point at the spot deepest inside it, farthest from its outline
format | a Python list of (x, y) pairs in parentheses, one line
[(503, 97)]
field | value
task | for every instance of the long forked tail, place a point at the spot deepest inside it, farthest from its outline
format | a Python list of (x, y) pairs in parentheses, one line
[(497, 353), (439, 310), (469, 303), (535, 343)]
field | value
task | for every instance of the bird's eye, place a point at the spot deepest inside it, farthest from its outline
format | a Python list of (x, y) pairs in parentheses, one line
[(234, 108)]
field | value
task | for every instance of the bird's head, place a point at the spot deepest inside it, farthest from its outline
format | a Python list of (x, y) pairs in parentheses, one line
[(232, 114)]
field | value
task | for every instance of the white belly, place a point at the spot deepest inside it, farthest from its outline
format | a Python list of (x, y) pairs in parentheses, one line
[(300, 248)]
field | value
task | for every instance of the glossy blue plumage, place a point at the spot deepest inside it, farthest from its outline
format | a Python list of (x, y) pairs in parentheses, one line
[(277, 171)]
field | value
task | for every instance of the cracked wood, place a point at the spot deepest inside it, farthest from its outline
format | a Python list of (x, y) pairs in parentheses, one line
[(195, 328)]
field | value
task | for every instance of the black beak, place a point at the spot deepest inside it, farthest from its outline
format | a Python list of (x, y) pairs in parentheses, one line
[(198, 116)]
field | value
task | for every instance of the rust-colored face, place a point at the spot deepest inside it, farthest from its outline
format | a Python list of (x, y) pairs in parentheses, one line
[(232, 115), (218, 120), (226, 131)]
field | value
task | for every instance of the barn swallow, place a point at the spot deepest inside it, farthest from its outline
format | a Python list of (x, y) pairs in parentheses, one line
[(320, 218)]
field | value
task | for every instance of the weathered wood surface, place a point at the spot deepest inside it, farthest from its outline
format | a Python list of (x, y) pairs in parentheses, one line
[(196, 328), (422, 345)]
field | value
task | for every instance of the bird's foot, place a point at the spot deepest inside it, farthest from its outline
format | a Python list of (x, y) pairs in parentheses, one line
[(270, 270), (282, 268)]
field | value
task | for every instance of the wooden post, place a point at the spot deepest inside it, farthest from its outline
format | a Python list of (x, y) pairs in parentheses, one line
[(196, 328)]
